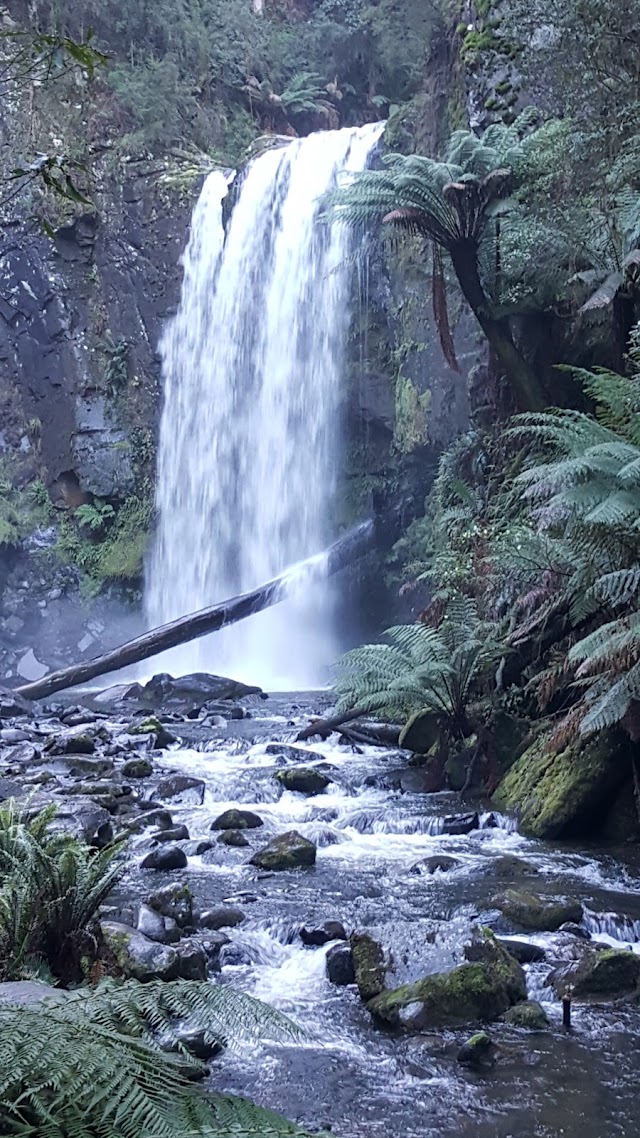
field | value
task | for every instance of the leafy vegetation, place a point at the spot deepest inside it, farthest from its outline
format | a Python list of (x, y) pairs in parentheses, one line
[(115, 550), (104, 1059)]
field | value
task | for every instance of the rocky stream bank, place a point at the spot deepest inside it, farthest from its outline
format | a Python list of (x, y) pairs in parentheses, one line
[(421, 941)]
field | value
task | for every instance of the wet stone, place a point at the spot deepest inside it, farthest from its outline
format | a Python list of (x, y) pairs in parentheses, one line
[(166, 858), (302, 780), (368, 961), (530, 1015), (460, 823), (137, 768), (192, 960), (478, 1051), (323, 934), (237, 820), (522, 951), (288, 851), (151, 924), (232, 838), (438, 863), (294, 754), (221, 918), (139, 958), (539, 914), (174, 834), (174, 901), (182, 788), (340, 966)]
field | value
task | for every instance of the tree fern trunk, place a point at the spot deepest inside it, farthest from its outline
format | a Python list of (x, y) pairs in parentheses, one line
[(522, 377)]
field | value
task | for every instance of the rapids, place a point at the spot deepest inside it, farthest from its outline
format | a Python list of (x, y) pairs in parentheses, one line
[(348, 1075)]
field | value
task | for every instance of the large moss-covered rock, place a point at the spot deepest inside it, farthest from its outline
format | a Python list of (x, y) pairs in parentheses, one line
[(368, 963), (607, 973), (530, 1015), (304, 780), (137, 957), (562, 794), (535, 913), (237, 820), (482, 989), (287, 851)]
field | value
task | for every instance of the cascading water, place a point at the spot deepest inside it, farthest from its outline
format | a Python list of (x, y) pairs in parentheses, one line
[(249, 440)]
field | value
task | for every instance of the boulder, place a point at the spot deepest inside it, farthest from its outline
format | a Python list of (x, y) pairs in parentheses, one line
[(12, 704), (477, 1052), (287, 851), (237, 820), (562, 795), (182, 788), (192, 960), (173, 834), (609, 972), (536, 913), (529, 1014), (82, 766), (303, 780), (221, 918), (437, 863), (22, 993), (323, 934), (369, 965), (420, 732), (174, 901), (197, 688), (137, 768), (165, 858), (82, 818), (340, 967), (151, 924), (232, 838), (522, 951), (460, 823), (508, 868), (73, 742), (294, 754), (153, 726), (482, 989), (137, 957)]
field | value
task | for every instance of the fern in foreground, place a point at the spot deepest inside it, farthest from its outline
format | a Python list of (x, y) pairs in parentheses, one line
[(88, 1064)]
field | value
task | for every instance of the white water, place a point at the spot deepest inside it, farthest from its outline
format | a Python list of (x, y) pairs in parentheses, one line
[(250, 435)]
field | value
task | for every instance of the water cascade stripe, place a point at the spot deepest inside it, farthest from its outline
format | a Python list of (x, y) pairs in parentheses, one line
[(253, 367)]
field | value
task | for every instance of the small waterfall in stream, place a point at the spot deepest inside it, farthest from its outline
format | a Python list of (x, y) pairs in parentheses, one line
[(250, 433)]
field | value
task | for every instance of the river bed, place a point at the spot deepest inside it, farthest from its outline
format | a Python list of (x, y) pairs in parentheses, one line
[(349, 1076)]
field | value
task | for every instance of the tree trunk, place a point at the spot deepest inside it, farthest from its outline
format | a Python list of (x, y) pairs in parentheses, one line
[(527, 387), (342, 553)]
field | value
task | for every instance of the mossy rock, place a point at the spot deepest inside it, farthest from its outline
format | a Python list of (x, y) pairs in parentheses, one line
[(530, 1015), (610, 972), (153, 726), (482, 989), (535, 913), (237, 820), (368, 962), (175, 901), (419, 733), (137, 768), (478, 1051), (288, 851), (303, 780), (562, 794), (232, 838)]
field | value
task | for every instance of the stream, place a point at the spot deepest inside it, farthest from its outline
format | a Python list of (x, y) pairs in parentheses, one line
[(349, 1076)]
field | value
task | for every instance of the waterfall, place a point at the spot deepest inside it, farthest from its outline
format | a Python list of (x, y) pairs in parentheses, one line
[(250, 436)]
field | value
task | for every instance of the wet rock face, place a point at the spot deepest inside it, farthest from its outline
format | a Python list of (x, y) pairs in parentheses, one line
[(340, 966), (535, 913), (304, 780), (530, 1015), (606, 973), (139, 958), (369, 965), (288, 851), (482, 989)]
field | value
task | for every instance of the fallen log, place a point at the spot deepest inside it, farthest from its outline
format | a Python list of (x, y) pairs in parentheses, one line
[(341, 554)]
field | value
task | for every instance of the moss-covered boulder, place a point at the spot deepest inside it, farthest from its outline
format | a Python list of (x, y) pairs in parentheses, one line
[(609, 972), (303, 780), (368, 963), (153, 726), (530, 1015), (232, 838), (137, 768), (477, 1052), (535, 913), (563, 794), (482, 989), (174, 901), (287, 851), (138, 958), (237, 820)]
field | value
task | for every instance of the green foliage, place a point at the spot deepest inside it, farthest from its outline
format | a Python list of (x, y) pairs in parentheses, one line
[(21, 510), (422, 669), (94, 514), (51, 887), (119, 555)]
